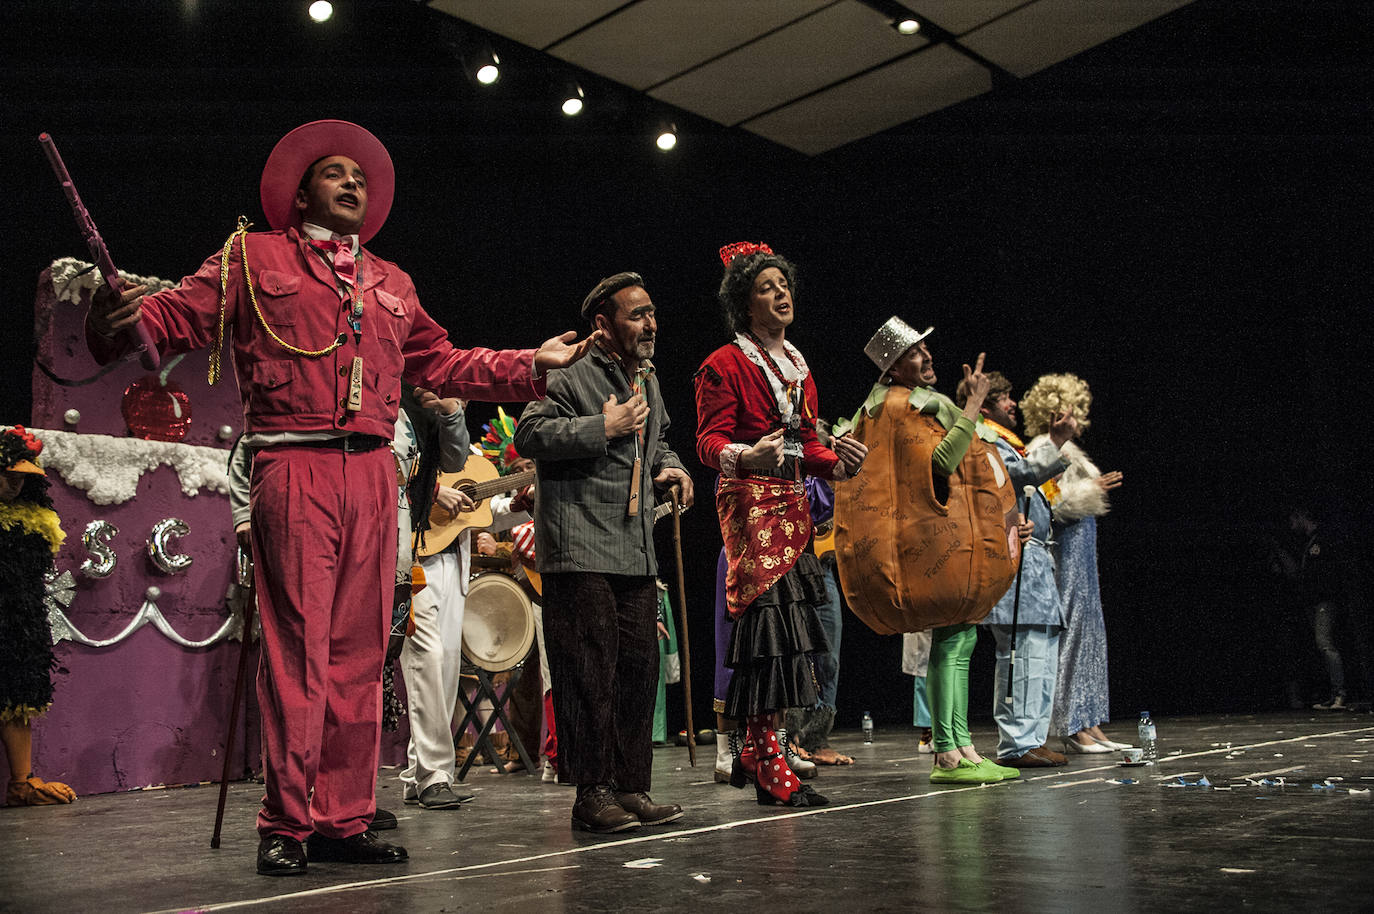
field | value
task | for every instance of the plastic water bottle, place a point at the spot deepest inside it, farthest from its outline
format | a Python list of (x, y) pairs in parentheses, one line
[(868, 728), (1145, 733)]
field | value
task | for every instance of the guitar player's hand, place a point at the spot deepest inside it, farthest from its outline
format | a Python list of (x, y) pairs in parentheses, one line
[(524, 500), (454, 501)]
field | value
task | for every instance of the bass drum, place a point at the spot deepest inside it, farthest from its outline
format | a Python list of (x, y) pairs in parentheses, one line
[(498, 622)]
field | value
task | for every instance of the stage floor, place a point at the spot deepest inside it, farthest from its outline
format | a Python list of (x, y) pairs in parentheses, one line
[(1058, 839)]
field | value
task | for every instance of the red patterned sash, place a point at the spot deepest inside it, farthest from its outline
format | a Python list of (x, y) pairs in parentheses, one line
[(766, 525)]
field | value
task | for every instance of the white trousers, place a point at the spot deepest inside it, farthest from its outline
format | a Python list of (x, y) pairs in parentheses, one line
[(430, 662)]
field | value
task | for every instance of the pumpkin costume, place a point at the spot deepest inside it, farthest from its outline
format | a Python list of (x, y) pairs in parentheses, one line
[(910, 560), (926, 536)]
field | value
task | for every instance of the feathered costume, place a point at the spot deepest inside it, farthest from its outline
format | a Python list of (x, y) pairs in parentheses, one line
[(29, 537)]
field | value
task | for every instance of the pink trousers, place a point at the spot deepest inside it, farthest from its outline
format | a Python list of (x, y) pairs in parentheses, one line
[(324, 547)]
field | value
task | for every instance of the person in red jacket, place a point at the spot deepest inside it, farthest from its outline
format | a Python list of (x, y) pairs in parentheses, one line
[(323, 332), (756, 423)]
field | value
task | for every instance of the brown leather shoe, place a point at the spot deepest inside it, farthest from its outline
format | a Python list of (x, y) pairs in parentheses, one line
[(1031, 758), (597, 811), (648, 812), (1058, 758)]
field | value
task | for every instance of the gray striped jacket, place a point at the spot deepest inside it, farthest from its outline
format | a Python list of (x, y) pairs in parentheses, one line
[(583, 488)]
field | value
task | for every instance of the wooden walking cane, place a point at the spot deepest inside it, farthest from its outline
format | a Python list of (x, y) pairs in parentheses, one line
[(675, 493), (245, 579), (1029, 492)]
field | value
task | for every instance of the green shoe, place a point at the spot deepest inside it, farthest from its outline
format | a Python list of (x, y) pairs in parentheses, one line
[(1002, 771), (966, 773)]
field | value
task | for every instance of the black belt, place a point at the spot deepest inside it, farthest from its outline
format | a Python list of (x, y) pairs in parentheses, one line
[(349, 444), (788, 470)]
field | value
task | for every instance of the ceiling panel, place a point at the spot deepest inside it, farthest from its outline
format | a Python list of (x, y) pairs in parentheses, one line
[(535, 24), (1048, 31), (821, 49), (657, 39), (886, 97), (785, 69), (960, 16)]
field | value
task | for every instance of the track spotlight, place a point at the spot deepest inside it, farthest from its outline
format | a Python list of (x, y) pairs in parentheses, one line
[(667, 137), (906, 26), (321, 10), (488, 67), (573, 99)]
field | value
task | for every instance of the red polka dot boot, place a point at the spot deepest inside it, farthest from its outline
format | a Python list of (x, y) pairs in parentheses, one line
[(775, 784)]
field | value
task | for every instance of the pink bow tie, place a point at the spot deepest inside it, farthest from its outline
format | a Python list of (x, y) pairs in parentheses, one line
[(340, 252)]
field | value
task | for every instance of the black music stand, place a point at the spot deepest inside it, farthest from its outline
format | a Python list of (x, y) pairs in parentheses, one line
[(487, 689)]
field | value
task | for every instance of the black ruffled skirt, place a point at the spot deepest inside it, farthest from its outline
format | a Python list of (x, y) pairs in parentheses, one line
[(771, 645)]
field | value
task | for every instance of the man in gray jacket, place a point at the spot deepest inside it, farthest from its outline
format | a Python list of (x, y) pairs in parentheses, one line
[(599, 447)]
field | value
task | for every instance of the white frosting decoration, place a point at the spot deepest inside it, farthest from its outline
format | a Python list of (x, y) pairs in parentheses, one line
[(68, 280), (108, 469)]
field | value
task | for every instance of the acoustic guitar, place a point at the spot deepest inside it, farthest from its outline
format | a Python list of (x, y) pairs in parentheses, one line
[(479, 480)]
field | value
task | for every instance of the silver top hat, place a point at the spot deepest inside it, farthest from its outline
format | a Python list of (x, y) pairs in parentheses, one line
[(891, 341)]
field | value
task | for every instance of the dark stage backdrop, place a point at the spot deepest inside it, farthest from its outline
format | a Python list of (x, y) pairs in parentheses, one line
[(1180, 216)]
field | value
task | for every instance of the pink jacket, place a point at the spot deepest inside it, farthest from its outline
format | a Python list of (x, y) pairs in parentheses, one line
[(283, 391)]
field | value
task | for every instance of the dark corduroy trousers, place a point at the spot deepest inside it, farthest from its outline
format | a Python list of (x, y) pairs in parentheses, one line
[(602, 642)]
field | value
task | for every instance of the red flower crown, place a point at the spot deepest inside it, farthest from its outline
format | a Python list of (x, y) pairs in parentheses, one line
[(742, 248)]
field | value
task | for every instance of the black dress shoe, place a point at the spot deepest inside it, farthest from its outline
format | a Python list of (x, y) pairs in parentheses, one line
[(363, 848), (280, 855), (383, 820), (440, 795)]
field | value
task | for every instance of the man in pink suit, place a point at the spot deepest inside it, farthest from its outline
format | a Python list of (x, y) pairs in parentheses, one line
[(322, 333)]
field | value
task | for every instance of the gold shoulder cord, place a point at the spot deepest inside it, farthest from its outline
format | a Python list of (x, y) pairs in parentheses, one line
[(242, 234)]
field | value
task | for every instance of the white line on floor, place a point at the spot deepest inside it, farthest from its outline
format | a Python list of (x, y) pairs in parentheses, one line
[(1265, 774), (582, 849), (1223, 750), (724, 826), (1074, 783)]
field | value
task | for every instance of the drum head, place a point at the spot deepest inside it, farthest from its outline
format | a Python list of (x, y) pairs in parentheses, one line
[(498, 622)]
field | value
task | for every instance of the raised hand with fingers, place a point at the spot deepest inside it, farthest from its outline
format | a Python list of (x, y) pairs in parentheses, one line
[(1109, 481), (560, 351), (624, 418), (978, 384)]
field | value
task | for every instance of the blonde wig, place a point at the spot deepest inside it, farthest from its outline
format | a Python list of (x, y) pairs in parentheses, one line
[(1054, 393)]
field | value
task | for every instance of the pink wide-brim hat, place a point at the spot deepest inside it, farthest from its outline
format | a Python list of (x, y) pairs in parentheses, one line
[(309, 143)]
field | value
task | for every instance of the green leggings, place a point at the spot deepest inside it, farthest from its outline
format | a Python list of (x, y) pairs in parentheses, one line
[(947, 685)]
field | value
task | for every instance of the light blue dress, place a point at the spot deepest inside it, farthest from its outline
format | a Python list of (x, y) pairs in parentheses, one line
[(1080, 695)]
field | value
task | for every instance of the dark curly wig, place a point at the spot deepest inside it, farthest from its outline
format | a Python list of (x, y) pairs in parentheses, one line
[(739, 280)]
